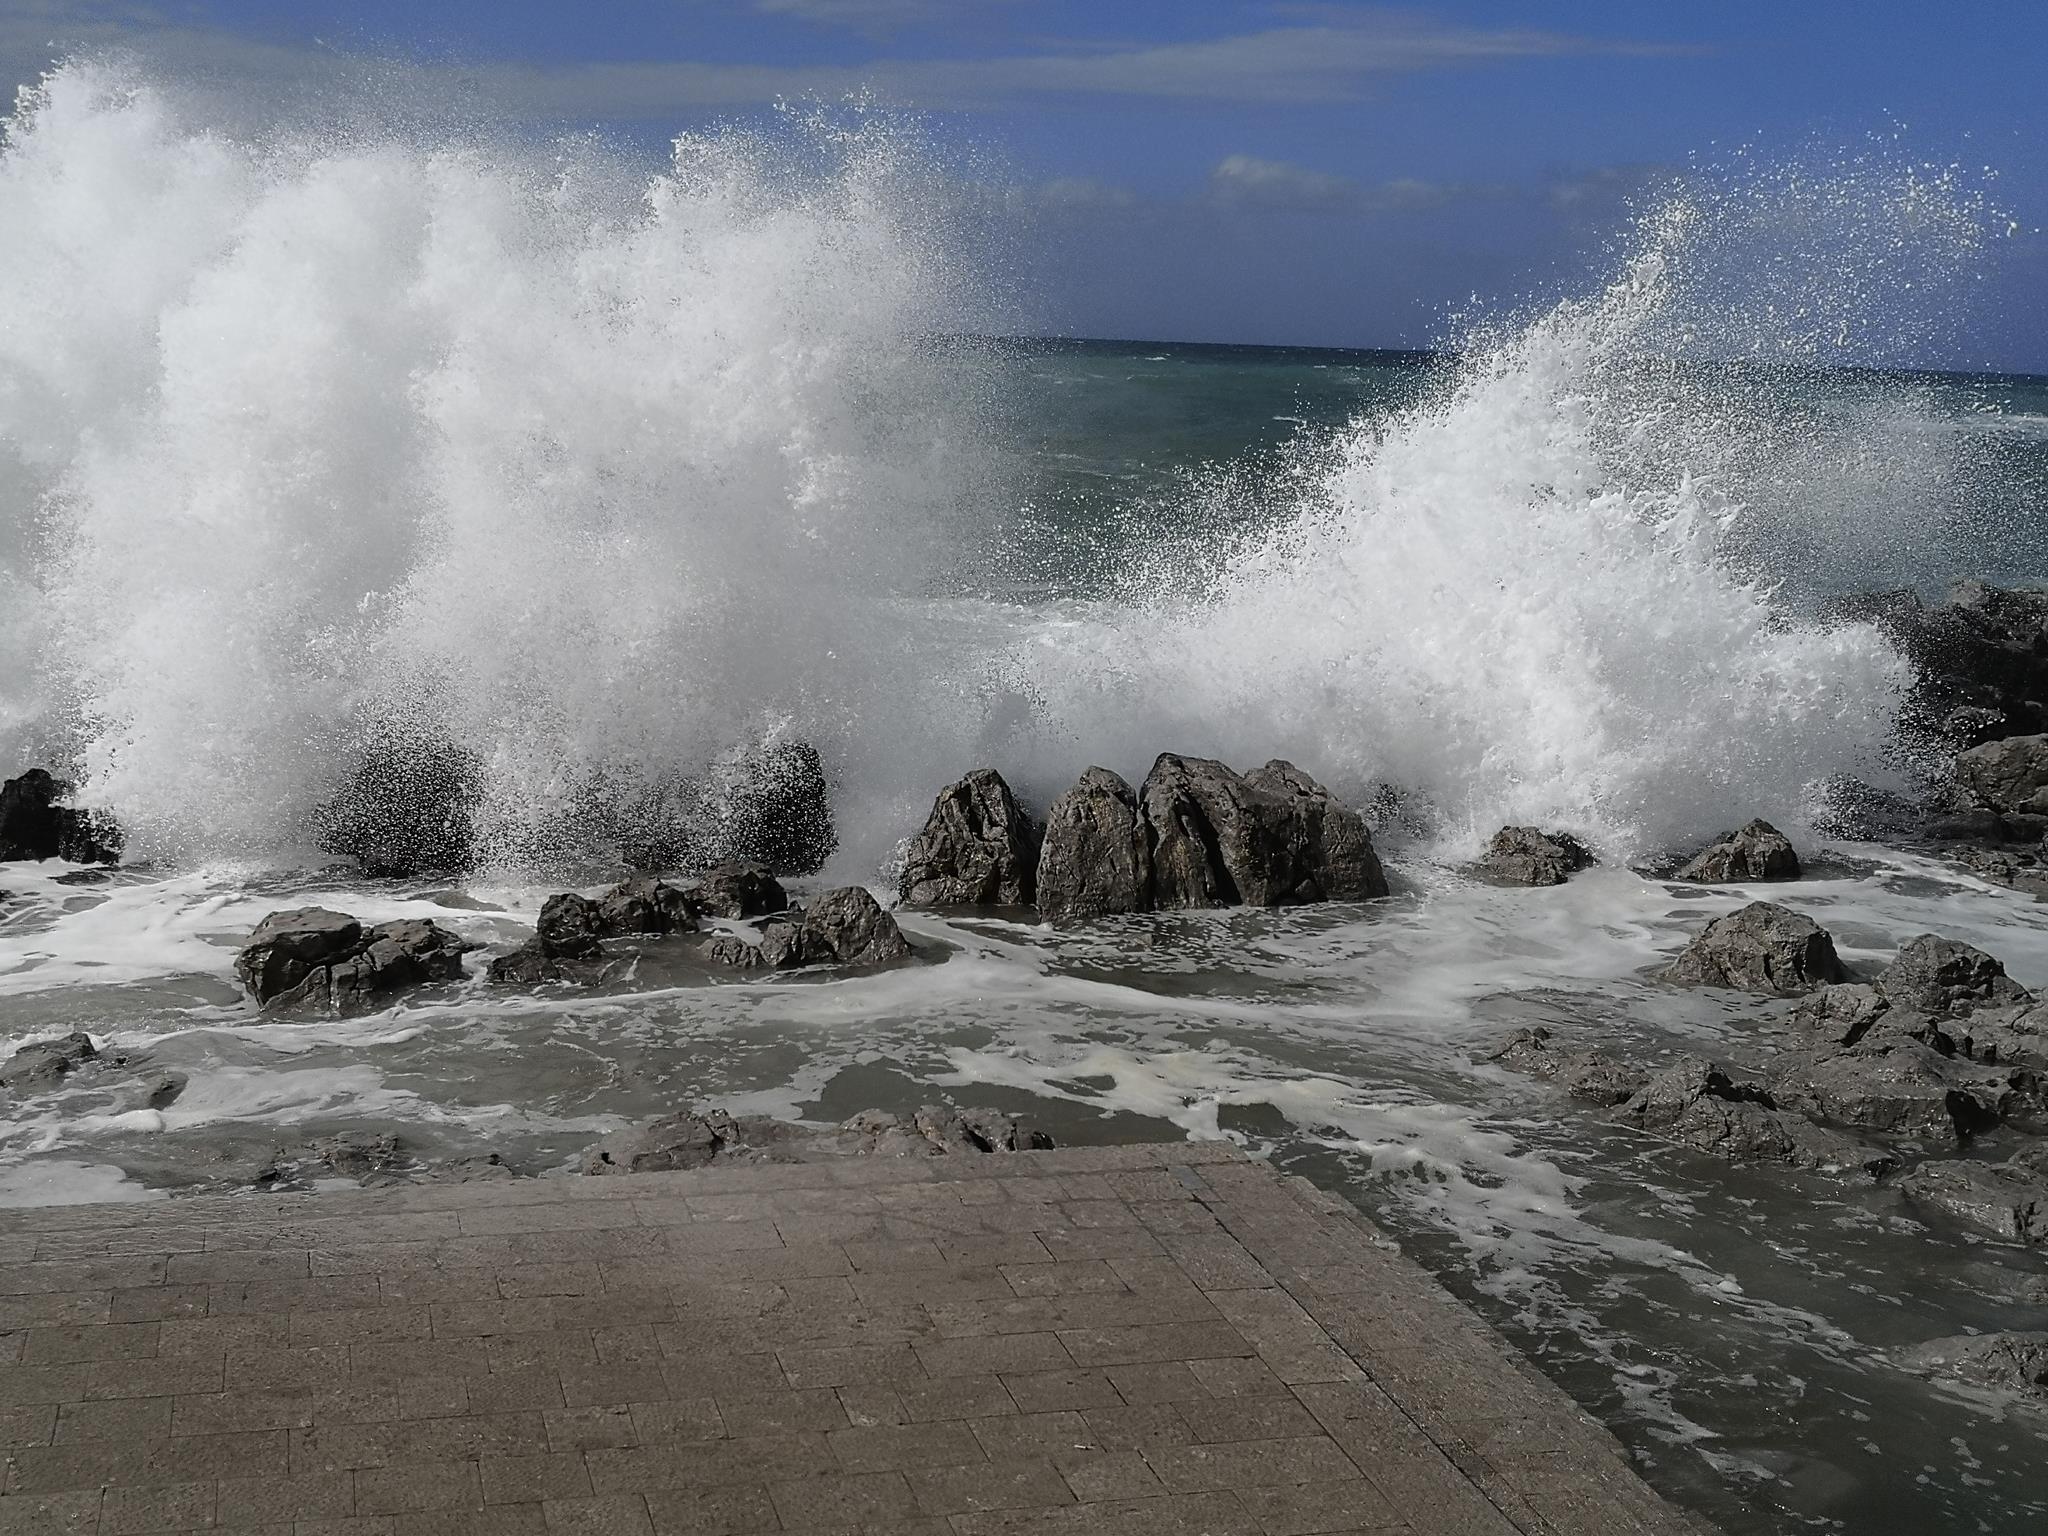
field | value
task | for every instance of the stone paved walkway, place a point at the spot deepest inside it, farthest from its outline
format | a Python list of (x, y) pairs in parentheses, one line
[(1119, 1341)]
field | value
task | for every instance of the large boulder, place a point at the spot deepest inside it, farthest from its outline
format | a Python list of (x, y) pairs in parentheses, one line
[(328, 960), (1896, 1087), (36, 824), (1946, 979), (1271, 838), (2007, 1200), (1758, 851), (699, 1139), (977, 849), (46, 1063), (738, 890), (2008, 776), (849, 926), (1527, 856), (1980, 658), (1761, 948), (1096, 855), (569, 927)]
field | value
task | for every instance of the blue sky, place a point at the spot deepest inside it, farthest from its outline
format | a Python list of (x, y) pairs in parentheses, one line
[(1249, 170)]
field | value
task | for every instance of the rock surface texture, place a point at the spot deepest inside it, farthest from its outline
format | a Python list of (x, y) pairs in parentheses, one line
[(697, 1140), (36, 824), (327, 960), (2008, 777), (1761, 948), (977, 849), (1527, 856), (1759, 851), (1096, 855)]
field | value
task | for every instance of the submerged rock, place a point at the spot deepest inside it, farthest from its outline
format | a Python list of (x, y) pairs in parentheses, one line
[(2007, 1200), (977, 849), (36, 824), (1759, 851), (46, 1063), (1526, 856), (2010, 1362), (1096, 856), (699, 1139), (1591, 1075), (1763, 947), (327, 959)]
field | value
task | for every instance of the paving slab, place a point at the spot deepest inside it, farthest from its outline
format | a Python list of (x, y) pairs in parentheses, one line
[(1159, 1340)]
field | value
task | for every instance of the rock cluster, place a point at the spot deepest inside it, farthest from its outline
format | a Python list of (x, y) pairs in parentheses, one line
[(35, 823), (329, 961), (698, 1139), (1763, 947), (1195, 834), (1980, 657), (1527, 856), (843, 927)]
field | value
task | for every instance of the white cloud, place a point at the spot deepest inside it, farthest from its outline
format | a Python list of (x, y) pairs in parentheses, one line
[(1249, 179)]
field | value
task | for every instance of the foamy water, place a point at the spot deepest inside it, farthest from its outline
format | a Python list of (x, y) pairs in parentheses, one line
[(595, 470)]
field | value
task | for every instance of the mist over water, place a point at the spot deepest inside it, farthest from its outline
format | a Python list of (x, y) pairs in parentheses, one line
[(597, 473)]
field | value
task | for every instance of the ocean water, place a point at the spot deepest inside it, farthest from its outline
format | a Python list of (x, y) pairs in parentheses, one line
[(329, 426)]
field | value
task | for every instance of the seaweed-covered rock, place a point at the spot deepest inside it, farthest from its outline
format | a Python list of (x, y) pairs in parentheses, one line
[(1764, 948), (977, 849), (1945, 978), (1758, 851), (2008, 1200), (46, 1063), (1527, 856), (1096, 855)]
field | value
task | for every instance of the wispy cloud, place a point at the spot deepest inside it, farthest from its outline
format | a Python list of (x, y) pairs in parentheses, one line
[(875, 15), (1248, 181)]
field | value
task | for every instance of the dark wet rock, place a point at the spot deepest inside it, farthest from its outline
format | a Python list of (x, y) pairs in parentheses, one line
[(35, 823), (530, 965), (2007, 1200), (735, 953), (406, 808), (1591, 1075), (1697, 1103), (329, 960), (359, 1155), (1971, 826), (739, 890), (645, 905), (783, 945), (1945, 978), (45, 1063), (1330, 853), (164, 1089), (1980, 657), (484, 1168), (2019, 869), (1762, 947), (977, 849), (1267, 839), (1841, 1014), (699, 1139), (1096, 857), (850, 927), (1895, 1087), (1759, 851), (1527, 856), (2008, 776), (2005, 1362), (568, 926)]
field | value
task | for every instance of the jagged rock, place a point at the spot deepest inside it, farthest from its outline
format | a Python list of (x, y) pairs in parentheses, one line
[(645, 905), (1945, 979), (568, 926), (739, 891), (696, 1140), (978, 848), (1095, 858), (729, 949), (849, 926), (46, 1063), (2009, 776), (1526, 856), (1761, 948), (527, 966), (1265, 840), (1841, 1014), (35, 824), (783, 946), (1980, 658), (1898, 1087), (328, 959), (2011, 1362), (1696, 1103), (1584, 1074), (1759, 851), (406, 808), (2008, 1200), (1332, 855), (2019, 869)]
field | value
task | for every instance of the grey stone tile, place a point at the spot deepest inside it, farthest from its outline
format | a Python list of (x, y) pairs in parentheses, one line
[(729, 1511), (1302, 1508), (1249, 1464), (170, 1507), (533, 1479), (1005, 1354), (843, 1501), (131, 1418), (1153, 1342), (1188, 1515), (1046, 1391), (615, 1515), (1024, 1484), (397, 1490), (894, 1447)]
